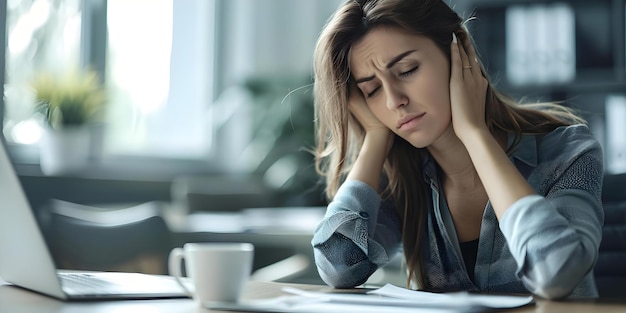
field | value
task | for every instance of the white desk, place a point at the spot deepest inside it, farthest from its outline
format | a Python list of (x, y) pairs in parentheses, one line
[(17, 300)]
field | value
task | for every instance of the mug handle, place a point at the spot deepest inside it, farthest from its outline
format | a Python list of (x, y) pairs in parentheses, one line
[(175, 264)]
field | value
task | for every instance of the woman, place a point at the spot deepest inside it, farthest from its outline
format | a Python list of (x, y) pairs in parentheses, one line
[(421, 155)]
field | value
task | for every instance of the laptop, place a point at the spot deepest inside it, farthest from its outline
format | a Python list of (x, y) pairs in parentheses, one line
[(25, 259)]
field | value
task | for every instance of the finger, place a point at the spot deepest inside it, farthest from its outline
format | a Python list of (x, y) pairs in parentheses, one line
[(466, 65), (352, 89), (456, 63), (354, 96), (471, 53), (471, 56), (356, 102)]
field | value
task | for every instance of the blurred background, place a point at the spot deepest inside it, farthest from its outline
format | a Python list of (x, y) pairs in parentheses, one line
[(203, 109)]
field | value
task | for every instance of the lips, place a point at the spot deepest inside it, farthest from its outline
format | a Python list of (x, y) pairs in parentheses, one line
[(409, 120)]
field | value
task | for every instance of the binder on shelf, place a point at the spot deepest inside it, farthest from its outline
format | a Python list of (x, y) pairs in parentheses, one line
[(563, 37), (540, 44), (541, 48), (615, 115), (517, 46)]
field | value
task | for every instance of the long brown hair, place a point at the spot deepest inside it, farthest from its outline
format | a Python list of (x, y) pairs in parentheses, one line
[(340, 136)]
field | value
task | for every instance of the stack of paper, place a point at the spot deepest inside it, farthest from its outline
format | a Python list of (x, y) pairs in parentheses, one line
[(388, 299)]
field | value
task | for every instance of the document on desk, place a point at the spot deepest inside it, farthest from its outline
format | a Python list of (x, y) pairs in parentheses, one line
[(389, 298)]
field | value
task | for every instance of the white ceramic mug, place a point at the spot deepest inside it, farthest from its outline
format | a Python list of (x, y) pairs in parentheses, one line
[(217, 272)]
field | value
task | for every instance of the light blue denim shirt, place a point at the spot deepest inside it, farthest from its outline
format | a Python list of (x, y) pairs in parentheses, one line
[(545, 244)]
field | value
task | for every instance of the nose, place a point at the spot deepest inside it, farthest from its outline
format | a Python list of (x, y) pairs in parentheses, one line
[(396, 97)]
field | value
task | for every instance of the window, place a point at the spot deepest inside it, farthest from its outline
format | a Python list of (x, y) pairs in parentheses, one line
[(159, 69), (158, 66), (42, 35), (178, 74)]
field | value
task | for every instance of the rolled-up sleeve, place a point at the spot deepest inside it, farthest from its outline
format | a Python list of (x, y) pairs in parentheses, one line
[(358, 234), (555, 238)]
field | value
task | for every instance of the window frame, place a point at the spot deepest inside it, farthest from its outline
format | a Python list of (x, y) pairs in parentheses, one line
[(93, 54), (3, 35)]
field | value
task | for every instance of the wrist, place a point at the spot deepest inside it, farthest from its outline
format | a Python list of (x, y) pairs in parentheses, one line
[(475, 137), (379, 140), (378, 137), (369, 163)]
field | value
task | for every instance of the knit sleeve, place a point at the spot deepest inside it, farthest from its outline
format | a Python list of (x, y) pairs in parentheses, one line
[(554, 237), (359, 234)]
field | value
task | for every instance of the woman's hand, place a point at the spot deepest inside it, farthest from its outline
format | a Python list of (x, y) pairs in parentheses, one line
[(468, 89), (377, 143), (373, 127)]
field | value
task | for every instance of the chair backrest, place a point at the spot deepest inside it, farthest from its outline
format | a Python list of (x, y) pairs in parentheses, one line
[(88, 238), (610, 270)]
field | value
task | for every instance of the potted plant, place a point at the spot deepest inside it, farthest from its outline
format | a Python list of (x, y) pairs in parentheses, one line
[(69, 106)]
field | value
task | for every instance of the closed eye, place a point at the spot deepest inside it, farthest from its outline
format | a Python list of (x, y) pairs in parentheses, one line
[(409, 72), (373, 92)]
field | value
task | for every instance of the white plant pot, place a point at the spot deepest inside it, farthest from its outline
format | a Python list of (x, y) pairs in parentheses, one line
[(64, 151)]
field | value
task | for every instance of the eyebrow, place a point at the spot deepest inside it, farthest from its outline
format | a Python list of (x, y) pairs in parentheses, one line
[(388, 66)]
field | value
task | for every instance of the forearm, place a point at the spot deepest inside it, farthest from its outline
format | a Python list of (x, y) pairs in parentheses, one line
[(357, 235), (369, 163), (553, 263), (503, 183), (553, 233), (341, 264)]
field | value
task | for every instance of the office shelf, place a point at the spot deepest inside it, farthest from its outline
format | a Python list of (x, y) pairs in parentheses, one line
[(570, 51), (599, 36)]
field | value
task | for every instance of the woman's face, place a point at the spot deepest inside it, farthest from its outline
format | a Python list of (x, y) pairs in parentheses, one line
[(405, 81)]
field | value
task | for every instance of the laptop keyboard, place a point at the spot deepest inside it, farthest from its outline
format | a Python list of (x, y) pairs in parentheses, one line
[(122, 285), (82, 283)]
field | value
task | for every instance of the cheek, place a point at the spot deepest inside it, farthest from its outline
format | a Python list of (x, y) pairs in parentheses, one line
[(432, 91), (435, 85)]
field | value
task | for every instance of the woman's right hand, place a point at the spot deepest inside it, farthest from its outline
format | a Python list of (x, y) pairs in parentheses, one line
[(376, 145), (373, 127)]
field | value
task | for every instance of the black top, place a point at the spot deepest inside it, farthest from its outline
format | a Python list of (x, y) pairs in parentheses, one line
[(469, 249)]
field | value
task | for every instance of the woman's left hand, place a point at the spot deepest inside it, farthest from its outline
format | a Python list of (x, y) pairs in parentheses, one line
[(468, 89)]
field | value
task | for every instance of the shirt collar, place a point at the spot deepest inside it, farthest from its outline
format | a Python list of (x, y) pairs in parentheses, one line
[(430, 169), (526, 150)]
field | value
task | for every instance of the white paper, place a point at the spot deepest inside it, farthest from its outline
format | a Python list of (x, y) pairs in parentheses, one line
[(300, 304), (389, 299), (460, 299)]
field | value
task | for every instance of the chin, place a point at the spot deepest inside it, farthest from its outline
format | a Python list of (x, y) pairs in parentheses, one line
[(418, 141), (425, 138), (419, 146)]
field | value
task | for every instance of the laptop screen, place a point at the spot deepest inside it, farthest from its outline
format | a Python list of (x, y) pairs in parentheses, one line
[(26, 260)]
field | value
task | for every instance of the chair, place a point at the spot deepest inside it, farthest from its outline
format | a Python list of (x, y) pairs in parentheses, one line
[(610, 270), (134, 239)]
